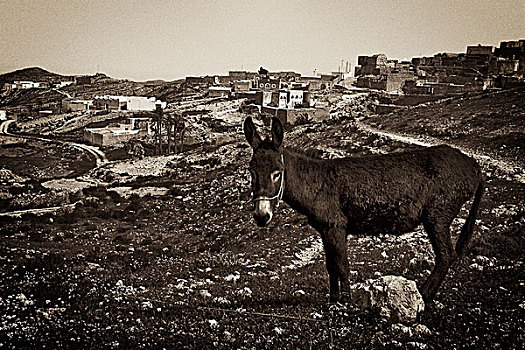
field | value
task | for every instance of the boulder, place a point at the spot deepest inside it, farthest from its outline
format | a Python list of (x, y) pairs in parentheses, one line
[(397, 298)]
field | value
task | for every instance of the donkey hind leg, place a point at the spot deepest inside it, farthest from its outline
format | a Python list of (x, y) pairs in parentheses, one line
[(439, 234), (334, 241)]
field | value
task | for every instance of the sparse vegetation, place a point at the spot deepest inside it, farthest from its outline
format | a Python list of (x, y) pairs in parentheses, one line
[(189, 269)]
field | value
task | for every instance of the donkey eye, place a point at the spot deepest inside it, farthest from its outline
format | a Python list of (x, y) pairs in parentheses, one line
[(276, 175)]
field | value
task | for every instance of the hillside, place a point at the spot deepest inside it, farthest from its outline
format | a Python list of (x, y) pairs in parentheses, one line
[(163, 252), (165, 91), (490, 123), (32, 74), (100, 84)]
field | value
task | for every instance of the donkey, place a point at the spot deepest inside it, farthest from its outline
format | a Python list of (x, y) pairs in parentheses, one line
[(391, 193)]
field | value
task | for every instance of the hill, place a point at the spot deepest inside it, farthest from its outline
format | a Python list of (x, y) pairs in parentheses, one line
[(98, 84), (33, 74), (490, 123)]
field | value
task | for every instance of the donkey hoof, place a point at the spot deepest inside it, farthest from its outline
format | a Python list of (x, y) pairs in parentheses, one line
[(344, 299), (334, 298)]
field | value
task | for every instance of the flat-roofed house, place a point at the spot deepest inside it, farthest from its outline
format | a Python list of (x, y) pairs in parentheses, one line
[(127, 103), (219, 91)]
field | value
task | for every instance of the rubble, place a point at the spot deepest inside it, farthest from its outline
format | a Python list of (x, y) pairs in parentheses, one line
[(126, 191), (7, 176)]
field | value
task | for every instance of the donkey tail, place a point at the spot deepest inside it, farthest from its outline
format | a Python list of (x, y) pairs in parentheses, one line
[(466, 232)]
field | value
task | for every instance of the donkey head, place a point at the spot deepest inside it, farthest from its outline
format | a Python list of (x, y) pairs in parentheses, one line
[(267, 170)]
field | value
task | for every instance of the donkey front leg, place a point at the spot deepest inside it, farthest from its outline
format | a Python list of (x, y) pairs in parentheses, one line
[(334, 241)]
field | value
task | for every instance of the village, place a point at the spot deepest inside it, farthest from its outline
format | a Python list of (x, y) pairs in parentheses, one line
[(289, 95)]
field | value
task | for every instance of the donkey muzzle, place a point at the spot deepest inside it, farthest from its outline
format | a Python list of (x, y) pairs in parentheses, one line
[(263, 212)]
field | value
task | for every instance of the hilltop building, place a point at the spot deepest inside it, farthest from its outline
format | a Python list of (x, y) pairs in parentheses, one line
[(242, 85), (219, 91), (511, 49), (479, 68), (241, 75), (267, 83), (380, 73), (25, 84), (374, 65)]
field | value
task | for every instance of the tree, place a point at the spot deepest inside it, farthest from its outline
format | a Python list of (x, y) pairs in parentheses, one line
[(263, 71), (158, 130)]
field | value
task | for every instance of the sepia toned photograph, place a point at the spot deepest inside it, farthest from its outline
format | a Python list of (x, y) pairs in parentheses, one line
[(279, 174)]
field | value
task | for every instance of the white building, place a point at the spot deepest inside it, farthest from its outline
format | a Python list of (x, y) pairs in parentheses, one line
[(72, 105), (296, 98), (127, 103), (132, 128), (62, 84), (25, 84), (139, 103), (219, 91)]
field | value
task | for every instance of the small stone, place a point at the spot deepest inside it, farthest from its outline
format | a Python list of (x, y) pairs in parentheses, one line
[(278, 330), (204, 293), (247, 292)]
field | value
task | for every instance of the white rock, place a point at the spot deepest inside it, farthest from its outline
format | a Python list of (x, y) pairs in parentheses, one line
[(278, 330), (397, 298), (247, 292), (422, 330), (233, 277), (400, 330), (204, 293), (476, 266)]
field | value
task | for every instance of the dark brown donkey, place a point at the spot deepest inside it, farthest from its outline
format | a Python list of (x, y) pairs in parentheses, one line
[(390, 193)]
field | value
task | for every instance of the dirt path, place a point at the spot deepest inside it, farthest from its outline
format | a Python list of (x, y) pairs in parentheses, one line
[(95, 151), (507, 168), (36, 211), (100, 156), (63, 93), (5, 126)]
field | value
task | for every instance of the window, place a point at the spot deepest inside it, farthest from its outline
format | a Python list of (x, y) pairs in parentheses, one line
[(273, 86)]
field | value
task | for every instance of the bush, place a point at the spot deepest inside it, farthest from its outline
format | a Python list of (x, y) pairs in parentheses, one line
[(303, 119)]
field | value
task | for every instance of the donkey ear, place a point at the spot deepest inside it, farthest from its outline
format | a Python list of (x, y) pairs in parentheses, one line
[(251, 133), (277, 132)]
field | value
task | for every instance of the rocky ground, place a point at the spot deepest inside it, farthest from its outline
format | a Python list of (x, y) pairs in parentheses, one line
[(174, 260)]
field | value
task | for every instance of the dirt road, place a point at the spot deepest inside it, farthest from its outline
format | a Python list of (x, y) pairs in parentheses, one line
[(505, 167), (99, 155), (5, 126)]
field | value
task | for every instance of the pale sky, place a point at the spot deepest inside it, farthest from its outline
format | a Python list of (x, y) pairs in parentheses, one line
[(142, 40)]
